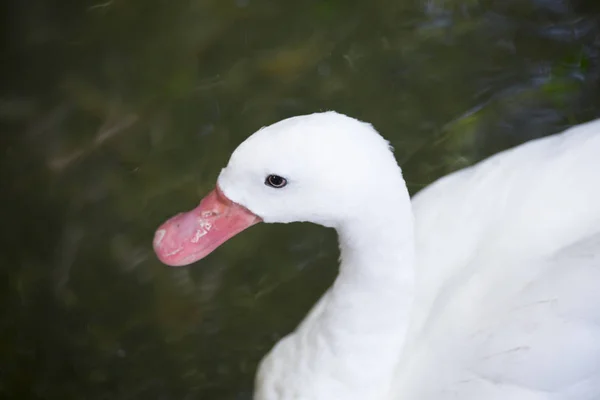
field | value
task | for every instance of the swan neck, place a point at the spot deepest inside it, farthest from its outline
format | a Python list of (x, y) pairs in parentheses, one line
[(370, 303)]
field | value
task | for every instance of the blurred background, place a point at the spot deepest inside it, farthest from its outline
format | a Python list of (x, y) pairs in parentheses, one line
[(116, 114)]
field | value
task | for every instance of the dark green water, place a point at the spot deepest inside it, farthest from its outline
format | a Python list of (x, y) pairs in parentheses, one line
[(116, 115)]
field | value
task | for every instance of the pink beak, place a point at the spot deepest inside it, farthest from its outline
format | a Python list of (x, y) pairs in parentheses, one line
[(191, 236)]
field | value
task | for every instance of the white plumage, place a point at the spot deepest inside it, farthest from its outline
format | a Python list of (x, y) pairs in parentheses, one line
[(486, 286)]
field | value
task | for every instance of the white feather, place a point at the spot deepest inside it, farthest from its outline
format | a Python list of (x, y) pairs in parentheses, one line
[(492, 293)]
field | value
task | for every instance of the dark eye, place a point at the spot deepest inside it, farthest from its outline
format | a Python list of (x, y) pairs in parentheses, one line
[(275, 181)]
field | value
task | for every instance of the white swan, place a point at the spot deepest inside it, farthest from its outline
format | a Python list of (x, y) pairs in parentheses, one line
[(492, 294)]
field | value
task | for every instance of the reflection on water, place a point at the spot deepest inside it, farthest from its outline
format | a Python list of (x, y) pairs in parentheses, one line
[(118, 114)]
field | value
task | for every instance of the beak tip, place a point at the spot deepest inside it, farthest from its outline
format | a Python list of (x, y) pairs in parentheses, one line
[(158, 237), (161, 247)]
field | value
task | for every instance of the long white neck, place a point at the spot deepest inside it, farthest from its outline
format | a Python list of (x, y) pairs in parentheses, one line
[(349, 345), (371, 300)]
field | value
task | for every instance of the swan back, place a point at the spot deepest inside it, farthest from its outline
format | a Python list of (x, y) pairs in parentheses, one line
[(510, 306), (526, 202)]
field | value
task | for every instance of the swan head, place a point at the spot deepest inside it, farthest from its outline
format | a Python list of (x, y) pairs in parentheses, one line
[(325, 168)]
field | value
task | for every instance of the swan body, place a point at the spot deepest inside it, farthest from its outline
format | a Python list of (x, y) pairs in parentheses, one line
[(485, 286)]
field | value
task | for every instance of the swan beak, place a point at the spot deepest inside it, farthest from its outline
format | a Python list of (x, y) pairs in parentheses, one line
[(191, 236)]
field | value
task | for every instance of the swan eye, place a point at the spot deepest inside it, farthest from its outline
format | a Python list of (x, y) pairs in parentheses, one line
[(275, 181)]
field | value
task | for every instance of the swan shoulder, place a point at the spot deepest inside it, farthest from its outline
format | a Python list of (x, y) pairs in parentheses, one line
[(508, 251), (520, 329), (530, 200)]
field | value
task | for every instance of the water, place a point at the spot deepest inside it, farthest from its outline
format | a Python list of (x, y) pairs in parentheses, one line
[(116, 115)]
